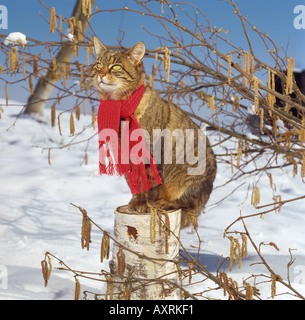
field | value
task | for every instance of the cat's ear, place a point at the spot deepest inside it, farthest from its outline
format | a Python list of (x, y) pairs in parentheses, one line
[(136, 53), (98, 46)]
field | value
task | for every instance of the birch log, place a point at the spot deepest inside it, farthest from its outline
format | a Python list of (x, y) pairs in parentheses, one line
[(144, 256), (44, 87)]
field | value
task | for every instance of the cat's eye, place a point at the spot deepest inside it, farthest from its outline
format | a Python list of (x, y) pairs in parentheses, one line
[(116, 67), (99, 66)]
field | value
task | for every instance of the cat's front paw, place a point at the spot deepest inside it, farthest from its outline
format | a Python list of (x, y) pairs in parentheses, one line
[(139, 205)]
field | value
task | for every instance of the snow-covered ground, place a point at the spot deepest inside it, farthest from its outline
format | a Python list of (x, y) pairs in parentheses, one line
[(36, 215)]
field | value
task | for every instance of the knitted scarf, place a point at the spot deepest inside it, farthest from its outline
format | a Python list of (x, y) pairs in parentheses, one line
[(125, 158)]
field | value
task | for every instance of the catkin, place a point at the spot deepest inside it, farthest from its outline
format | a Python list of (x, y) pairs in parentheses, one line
[(93, 118), (256, 98), (239, 152), (46, 270), (72, 126), (44, 267), (77, 289), (255, 197), (166, 62), (271, 99), (53, 21), (244, 249), (53, 115), (237, 253), (105, 246), (31, 84), (229, 57), (121, 262), (232, 252), (77, 112), (80, 31), (6, 95), (261, 116), (249, 292), (153, 222), (273, 285), (109, 288), (212, 103), (58, 121), (167, 230), (289, 82), (232, 168), (303, 166), (23, 65), (35, 67), (15, 59), (85, 231)]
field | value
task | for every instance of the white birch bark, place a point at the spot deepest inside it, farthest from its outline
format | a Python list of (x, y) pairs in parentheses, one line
[(142, 272)]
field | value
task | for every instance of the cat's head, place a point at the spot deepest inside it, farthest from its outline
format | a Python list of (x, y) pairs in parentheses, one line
[(116, 74)]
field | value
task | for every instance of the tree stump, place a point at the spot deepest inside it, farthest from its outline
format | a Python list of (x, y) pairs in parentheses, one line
[(144, 255)]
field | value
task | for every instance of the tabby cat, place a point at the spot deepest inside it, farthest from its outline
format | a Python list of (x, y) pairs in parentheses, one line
[(116, 75)]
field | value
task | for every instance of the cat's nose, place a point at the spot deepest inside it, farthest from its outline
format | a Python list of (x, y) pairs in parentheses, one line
[(102, 75)]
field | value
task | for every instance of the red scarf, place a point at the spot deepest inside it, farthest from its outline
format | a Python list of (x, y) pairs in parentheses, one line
[(125, 159)]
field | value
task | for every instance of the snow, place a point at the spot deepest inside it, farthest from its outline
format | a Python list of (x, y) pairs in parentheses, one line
[(36, 214), (14, 37)]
